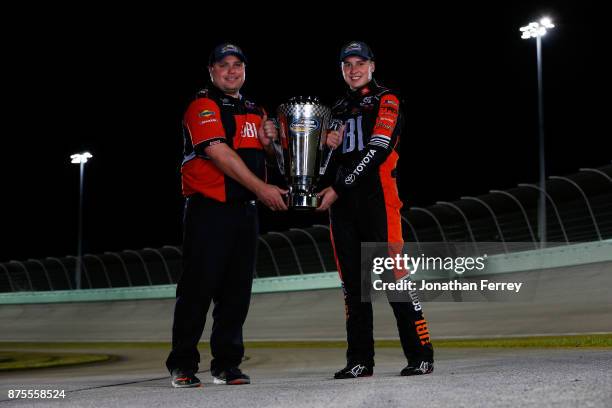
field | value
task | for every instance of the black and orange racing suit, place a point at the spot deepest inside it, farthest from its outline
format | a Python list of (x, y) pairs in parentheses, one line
[(220, 231), (368, 210)]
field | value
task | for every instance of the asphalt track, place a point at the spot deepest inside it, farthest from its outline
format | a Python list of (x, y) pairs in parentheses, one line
[(564, 300), (302, 378)]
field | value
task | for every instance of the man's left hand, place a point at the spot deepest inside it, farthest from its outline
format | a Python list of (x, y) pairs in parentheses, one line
[(267, 132)]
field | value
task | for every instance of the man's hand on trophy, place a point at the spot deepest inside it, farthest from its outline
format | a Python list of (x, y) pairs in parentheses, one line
[(334, 137), (272, 197), (327, 196), (267, 131)]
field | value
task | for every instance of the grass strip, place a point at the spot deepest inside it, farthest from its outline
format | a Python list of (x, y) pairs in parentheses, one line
[(20, 360), (583, 341)]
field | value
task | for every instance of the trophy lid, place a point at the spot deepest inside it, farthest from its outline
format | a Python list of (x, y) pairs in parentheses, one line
[(304, 105), (305, 99)]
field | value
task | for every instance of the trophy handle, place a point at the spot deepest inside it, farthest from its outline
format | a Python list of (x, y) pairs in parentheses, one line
[(325, 161), (280, 159), (278, 147), (335, 124)]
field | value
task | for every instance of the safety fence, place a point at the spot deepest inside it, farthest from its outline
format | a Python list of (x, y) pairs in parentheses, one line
[(579, 209), (297, 251)]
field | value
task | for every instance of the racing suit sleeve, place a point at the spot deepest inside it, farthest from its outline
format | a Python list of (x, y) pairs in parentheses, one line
[(382, 142), (203, 121)]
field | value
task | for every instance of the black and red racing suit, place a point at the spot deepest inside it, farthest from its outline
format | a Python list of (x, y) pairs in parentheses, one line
[(368, 210), (220, 231)]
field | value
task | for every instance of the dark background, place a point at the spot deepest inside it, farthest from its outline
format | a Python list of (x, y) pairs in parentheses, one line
[(116, 82)]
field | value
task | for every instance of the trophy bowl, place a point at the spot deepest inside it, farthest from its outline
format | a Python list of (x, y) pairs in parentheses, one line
[(303, 124)]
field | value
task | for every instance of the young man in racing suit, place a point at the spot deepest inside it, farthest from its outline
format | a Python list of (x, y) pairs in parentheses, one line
[(365, 207)]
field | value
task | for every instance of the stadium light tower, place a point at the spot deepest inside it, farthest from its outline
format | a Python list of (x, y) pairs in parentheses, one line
[(80, 159), (537, 30)]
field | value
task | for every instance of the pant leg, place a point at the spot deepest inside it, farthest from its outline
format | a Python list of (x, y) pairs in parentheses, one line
[(413, 332), (384, 225), (233, 298), (347, 249), (205, 254)]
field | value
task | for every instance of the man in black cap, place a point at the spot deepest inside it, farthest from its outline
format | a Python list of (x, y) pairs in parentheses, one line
[(365, 207), (226, 138)]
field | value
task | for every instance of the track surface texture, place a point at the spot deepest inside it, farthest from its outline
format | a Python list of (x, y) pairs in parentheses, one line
[(302, 378)]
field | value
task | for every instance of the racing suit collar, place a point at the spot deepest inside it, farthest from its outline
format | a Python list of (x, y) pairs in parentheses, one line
[(213, 90), (365, 90)]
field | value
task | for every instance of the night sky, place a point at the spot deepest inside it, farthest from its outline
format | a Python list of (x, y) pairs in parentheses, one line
[(116, 83)]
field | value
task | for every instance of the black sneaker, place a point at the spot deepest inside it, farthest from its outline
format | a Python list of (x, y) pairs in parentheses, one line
[(231, 376), (423, 367), (354, 370), (184, 379)]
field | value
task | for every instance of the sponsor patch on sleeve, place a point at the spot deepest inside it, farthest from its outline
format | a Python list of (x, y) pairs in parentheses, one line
[(206, 113), (388, 113), (203, 121)]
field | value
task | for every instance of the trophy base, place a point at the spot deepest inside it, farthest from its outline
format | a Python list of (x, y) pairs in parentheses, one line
[(303, 201)]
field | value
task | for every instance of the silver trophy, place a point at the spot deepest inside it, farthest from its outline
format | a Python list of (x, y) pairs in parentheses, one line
[(300, 151)]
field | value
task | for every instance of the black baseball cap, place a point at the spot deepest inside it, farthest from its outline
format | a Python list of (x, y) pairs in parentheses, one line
[(357, 48), (223, 50)]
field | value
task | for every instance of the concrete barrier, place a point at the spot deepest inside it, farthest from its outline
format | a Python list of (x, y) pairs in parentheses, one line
[(548, 258)]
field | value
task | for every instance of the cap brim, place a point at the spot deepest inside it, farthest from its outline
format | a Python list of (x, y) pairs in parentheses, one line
[(238, 55), (354, 54)]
